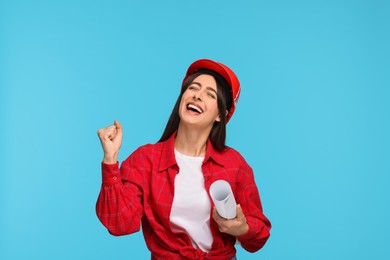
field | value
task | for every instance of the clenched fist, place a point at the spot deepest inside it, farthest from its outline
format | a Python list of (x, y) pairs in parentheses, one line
[(111, 140), (235, 227)]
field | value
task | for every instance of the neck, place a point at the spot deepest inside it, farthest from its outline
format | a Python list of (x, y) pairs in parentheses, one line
[(191, 142)]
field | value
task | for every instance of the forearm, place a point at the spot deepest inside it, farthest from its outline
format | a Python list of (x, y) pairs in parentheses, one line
[(118, 207), (257, 234), (249, 198)]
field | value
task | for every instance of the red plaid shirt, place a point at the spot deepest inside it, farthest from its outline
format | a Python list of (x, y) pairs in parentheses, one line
[(142, 191)]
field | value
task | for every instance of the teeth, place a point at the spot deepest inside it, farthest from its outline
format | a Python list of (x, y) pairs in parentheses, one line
[(195, 108)]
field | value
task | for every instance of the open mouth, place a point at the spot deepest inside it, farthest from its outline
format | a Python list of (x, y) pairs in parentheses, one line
[(194, 108)]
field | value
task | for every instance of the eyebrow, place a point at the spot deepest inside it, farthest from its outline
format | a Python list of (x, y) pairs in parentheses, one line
[(208, 88)]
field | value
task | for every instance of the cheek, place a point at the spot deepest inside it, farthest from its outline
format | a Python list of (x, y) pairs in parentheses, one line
[(181, 105), (187, 93), (214, 107), (183, 97)]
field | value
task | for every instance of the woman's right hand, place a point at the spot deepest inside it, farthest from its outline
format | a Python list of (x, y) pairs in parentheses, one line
[(111, 140)]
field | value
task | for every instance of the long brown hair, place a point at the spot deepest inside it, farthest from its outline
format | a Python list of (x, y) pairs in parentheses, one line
[(218, 132)]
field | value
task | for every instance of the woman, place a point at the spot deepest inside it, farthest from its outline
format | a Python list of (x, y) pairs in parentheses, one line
[(165, 186)]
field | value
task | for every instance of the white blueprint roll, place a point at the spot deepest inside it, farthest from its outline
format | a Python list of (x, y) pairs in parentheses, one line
[(223, 198)]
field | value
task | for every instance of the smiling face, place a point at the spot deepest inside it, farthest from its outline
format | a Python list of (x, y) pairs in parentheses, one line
[(198, 105)]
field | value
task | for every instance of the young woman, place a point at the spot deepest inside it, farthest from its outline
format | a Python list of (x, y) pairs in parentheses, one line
[(165, 186)]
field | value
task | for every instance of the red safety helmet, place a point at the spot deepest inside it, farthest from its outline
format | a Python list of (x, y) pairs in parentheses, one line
[(225, 72)]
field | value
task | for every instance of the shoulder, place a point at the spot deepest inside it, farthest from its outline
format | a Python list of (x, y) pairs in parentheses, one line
[(157, 153), (231, 157), (233, 153), (145, 151)]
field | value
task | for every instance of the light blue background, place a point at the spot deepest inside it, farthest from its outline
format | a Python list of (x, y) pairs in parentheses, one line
[(313, 118)]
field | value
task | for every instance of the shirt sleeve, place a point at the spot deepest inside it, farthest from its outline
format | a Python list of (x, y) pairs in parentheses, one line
[(249, 199), (119, 206)]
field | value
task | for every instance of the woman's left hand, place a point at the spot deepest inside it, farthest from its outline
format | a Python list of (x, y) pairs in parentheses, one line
[(235, 227)]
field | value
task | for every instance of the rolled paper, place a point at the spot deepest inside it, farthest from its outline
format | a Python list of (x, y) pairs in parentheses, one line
[(223, 198)]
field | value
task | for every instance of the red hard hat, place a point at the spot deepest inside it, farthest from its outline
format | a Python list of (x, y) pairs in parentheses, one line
[(225, 72)]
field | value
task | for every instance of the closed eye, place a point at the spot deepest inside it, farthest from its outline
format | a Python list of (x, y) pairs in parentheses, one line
[(211, 94), (193, 87)]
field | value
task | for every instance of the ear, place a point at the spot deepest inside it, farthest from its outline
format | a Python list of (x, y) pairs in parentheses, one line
[(218, 119)]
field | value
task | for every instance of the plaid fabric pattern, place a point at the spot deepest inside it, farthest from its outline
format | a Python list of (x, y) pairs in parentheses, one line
[(141, 191)]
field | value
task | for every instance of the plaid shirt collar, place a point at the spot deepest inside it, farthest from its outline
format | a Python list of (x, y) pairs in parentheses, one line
[(168, 160)]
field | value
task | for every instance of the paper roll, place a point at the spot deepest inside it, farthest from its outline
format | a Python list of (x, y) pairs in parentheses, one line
[(223, 198)]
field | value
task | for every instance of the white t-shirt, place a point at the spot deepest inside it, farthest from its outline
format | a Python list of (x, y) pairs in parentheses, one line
[(191, 204)]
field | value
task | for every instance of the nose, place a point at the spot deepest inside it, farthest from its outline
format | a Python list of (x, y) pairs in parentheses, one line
[(197, 96), (200, 94)]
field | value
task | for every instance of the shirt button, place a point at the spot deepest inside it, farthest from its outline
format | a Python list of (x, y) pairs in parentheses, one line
[(114, 178)]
